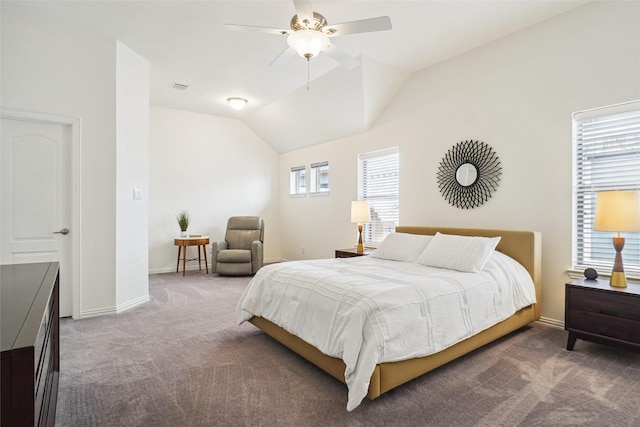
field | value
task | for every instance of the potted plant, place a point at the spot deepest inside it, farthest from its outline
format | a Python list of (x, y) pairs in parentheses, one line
[(183, 221)]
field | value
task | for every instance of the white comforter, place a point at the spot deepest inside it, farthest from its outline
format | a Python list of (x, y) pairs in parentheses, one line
[(367, 311)]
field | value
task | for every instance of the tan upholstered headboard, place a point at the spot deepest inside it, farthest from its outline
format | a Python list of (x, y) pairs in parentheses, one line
[(523, 246)]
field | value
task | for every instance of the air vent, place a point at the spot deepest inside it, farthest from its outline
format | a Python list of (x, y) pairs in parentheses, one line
[(179, 86)]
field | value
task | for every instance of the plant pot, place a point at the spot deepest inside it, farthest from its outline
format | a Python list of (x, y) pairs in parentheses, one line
[(183, 234)]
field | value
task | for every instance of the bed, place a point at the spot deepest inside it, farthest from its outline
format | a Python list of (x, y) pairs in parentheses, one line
[(522, 246)]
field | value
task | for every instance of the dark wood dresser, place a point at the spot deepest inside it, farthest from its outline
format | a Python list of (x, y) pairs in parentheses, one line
[(29, 296), (597, 312)]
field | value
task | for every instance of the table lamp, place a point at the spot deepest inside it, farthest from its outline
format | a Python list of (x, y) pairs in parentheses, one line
[(360, 213), (617, 210)]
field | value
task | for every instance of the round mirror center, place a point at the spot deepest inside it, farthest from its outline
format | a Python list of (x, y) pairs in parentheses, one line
[(466, 174)]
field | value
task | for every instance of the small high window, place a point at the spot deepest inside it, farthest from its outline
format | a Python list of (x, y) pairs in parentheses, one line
[(298, 181), (319, 177)]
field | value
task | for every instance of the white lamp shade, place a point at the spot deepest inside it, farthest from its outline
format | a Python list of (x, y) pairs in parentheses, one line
[(360, 211), (617, 210), (308, 43)]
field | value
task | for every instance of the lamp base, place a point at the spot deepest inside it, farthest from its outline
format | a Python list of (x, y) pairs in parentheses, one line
[(617, 273), (360, 247), (618, 279)]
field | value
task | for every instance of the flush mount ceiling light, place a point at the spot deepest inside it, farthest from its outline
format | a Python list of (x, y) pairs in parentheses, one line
[(237, 103), (179, 86)]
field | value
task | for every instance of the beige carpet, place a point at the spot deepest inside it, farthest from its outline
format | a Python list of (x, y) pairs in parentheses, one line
[(181, 360)]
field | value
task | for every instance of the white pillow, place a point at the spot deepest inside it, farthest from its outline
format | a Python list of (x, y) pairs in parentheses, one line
[(462, 253), (401, 247)]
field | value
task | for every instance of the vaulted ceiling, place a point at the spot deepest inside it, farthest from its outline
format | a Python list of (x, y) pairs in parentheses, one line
[(186, 42)]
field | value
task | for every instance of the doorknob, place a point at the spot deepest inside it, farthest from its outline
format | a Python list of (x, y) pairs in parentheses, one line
[(64, 231)]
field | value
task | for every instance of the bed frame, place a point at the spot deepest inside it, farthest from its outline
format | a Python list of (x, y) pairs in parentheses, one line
[(523, 246)]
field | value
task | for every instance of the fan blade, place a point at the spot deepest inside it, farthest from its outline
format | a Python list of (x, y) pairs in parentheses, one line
[(283, 57), (233, 27), (341, 57), (382, 23), (304, 10)]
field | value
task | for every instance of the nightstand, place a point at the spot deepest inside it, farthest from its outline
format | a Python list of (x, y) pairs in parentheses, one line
[(351, 252), (597, 312)]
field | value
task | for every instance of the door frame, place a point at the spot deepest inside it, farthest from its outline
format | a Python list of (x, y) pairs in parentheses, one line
[(76, 252)]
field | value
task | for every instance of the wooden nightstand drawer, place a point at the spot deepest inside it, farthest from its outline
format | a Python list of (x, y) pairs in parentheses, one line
[(605, 325), (596, 301)]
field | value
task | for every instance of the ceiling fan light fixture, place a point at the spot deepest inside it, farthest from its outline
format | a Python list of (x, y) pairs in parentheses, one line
[(308, 43), (237, 103)]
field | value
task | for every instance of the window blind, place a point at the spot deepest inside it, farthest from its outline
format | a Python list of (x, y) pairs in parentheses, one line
[(607, 157), (297, 181), (378, 182), (319, 177)]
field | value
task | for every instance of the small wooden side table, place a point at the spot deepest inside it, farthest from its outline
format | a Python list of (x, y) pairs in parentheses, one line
[(351, 252), (183, 242)]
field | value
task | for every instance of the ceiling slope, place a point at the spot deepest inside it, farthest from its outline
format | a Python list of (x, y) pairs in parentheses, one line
[(339, 103)]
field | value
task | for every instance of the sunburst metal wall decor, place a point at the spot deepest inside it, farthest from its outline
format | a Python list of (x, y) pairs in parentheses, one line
[(468, 174)]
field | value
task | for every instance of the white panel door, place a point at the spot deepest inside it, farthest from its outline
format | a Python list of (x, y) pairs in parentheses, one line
[(35, 191)]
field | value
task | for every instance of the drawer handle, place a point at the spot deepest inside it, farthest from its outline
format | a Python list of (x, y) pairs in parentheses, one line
[(609, 313), (606, 334)]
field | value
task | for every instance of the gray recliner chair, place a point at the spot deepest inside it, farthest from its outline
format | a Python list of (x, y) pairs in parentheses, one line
[(240, 253)]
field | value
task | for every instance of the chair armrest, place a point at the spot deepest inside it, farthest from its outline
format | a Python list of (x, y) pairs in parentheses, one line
[(256, 255), (216, 246)]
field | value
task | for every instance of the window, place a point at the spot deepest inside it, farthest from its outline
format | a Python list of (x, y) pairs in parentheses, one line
[(298, 181), (606, 157), (319, 177), (378, 182)]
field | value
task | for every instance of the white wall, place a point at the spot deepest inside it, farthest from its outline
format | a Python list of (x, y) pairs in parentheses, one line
[(67, 72), (516, 94), (132, 172), (214, 168)]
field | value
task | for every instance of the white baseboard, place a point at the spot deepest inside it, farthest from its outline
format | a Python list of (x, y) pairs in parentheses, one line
[(194, 267), (133, 303), (85, 314), (551, 322), (173, 269)]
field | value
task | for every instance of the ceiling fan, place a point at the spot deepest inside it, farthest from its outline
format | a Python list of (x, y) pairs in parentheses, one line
[(309, 34)]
